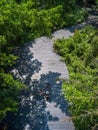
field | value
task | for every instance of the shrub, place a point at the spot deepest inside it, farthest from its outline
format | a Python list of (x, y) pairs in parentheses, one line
[(81, 90)]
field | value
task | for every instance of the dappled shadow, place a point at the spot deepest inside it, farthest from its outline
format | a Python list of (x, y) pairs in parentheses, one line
[(55, 89), (32, 103), (26, 65), (34, 113)]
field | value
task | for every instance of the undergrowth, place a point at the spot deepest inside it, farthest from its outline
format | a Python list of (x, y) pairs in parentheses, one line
[(80, 53)]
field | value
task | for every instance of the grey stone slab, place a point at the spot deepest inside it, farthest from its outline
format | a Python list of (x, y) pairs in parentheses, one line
[(43, 52)]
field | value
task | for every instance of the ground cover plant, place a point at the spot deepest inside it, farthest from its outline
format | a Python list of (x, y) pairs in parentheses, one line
[(80, 53)]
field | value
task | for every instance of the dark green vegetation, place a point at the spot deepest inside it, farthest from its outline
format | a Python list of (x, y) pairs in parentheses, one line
[(80, 53)]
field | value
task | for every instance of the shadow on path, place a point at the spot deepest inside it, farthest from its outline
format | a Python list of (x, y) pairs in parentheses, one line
[(32, 114), (26, 65)]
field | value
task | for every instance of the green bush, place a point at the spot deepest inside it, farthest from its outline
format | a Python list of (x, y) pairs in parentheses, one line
[(80, 53), (9, 90)]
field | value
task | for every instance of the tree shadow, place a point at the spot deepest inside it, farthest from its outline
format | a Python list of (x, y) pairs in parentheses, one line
[(56, 95), (32, 114), (26, 65)]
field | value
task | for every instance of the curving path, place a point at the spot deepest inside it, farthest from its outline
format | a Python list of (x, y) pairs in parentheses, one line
[(38, 67), (41, 69)]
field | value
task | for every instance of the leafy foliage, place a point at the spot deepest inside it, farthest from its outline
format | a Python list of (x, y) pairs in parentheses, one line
[(80, 52), (9, 91)]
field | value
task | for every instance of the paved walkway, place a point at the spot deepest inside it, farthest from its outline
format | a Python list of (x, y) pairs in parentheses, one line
[(38, 67)]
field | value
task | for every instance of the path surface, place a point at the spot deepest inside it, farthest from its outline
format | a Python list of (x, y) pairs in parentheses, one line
[(38, 67)]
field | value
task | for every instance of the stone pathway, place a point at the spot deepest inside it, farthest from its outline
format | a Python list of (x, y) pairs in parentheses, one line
[(50, 62), (38, 67)]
